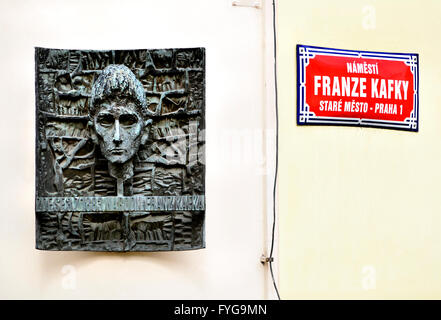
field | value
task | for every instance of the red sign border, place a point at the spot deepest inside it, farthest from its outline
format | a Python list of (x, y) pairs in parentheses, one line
[(305, 117)]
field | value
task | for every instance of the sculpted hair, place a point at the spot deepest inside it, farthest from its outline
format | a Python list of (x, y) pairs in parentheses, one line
[(118, 81)]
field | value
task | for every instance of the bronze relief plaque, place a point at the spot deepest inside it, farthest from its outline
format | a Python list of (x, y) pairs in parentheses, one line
[(120, 149)]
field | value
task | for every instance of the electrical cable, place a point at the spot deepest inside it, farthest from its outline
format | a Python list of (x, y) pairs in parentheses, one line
[(270, 260)]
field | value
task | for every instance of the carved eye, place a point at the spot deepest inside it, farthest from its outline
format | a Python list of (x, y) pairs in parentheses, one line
[(105, 120), (128, 120)]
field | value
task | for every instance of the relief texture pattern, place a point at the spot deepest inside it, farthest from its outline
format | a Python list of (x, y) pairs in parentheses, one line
[(120, 149)]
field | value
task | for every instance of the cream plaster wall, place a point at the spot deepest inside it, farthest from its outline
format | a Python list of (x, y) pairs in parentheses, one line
[(360, 208)]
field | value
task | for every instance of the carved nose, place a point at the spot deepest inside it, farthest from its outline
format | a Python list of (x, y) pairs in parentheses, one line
[(116, 136)]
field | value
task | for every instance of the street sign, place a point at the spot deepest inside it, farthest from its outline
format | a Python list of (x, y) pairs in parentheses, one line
[(357, 88)]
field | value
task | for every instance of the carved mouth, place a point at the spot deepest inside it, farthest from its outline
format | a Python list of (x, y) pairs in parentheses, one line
[(117, 151)]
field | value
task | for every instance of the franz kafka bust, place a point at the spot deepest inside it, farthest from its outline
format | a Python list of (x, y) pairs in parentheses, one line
[(118, 120)]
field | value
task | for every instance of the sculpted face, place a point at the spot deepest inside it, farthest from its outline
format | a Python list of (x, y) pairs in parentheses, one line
[(118, 126)]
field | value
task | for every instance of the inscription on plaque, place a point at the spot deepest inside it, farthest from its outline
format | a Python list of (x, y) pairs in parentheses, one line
[(120, 149), (106, 204)]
